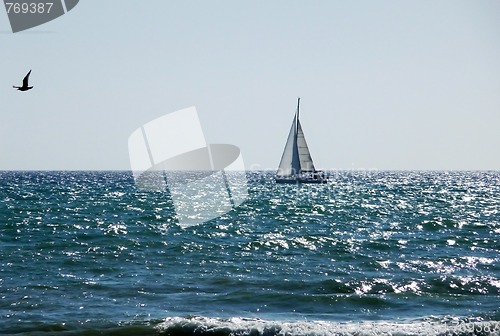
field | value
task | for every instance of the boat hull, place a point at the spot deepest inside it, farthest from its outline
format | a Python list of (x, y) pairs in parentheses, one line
[(300, 181)]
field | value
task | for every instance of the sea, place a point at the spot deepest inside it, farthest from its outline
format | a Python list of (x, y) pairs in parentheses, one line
[(369, 253)]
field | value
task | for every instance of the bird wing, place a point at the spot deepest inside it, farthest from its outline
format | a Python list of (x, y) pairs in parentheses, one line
[(26, 79)]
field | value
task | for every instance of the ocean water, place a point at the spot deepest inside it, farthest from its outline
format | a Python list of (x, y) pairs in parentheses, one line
[(371, 253)]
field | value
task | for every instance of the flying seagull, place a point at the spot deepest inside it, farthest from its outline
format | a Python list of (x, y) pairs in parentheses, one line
[(25, 86)]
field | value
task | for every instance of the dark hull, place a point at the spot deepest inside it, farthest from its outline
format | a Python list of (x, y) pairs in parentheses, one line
[(300, 181)]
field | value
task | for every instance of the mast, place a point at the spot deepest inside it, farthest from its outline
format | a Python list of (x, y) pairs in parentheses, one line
[(297, 119), (296, 167)]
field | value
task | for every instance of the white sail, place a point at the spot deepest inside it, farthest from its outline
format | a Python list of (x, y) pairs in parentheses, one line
[(296, 165), (306, 162), (290, 162)]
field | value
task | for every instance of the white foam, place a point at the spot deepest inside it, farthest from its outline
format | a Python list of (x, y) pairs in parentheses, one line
[(244, 326)]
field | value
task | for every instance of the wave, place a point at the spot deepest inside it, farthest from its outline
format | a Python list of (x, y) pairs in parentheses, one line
[(238, 326)]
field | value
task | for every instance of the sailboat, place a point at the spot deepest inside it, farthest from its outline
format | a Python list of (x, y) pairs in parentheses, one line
[(296, 165)]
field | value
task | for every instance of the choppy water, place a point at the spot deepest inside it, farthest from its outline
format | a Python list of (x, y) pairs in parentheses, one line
[(372, 253)]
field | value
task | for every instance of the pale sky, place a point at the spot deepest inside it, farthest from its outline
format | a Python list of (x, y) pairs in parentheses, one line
[(387, 85)]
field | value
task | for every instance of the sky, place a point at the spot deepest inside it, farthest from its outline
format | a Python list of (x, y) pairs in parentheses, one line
[(384, 85)]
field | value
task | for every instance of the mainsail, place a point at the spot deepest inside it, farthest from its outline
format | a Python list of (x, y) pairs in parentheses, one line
[(296, 157), (306, 162)]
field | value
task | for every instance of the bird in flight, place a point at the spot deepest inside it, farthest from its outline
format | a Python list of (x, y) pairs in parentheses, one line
[(25, 86)]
